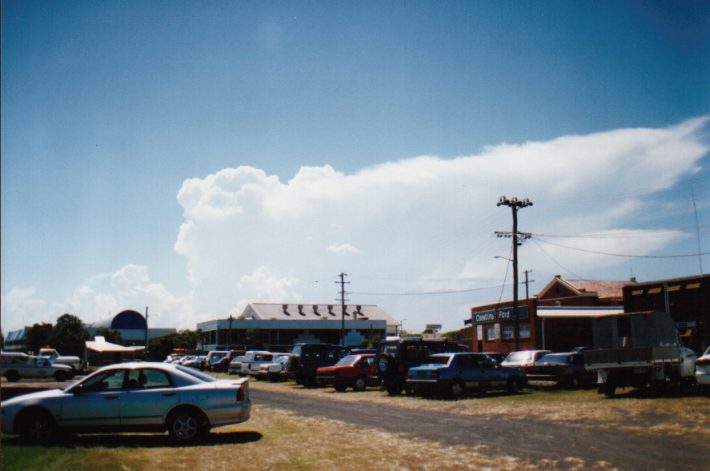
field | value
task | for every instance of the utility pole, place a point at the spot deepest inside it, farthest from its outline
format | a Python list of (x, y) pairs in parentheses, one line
[(342, 283), (515, 204), (231, 318), (527, 282), (146, 329)]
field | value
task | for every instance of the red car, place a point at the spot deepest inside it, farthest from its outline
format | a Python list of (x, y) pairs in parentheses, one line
[(355, 371)]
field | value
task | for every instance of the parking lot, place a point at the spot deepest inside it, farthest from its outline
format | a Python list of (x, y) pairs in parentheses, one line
[(298, 428)]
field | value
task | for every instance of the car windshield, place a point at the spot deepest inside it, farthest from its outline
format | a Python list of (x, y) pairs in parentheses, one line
[(196, 373), (517, 356), (555, 359), (437, 360), (347, 360), (281, 359)]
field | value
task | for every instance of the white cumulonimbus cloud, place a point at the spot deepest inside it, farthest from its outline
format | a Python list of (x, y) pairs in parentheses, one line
[(423, 224)]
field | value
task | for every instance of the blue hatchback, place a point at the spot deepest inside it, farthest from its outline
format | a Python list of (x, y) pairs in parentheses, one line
[(452, 374)]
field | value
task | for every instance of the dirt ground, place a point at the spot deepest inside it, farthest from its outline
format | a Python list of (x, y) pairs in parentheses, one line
[(627, 432)]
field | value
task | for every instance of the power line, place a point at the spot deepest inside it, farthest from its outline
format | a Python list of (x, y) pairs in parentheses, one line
[(597, 252), (430, 293), (537, 244)]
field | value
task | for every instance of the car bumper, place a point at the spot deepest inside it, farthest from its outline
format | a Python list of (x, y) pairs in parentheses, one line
[(426, 385), (702, 378), (229, 414)]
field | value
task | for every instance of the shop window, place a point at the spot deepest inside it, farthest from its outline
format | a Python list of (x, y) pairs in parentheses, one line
[(508, 332), (493, 332), (524, 331)]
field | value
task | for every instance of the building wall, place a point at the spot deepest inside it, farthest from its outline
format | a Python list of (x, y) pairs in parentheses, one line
[(283, 334), (686, 299)]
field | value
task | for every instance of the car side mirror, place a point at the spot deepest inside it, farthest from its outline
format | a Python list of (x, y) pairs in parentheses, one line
[(78, 389)]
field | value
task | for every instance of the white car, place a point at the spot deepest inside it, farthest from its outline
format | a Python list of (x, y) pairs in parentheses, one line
[(523, 358), (275, 370), (131, 397), (702, 369), (14, 366)]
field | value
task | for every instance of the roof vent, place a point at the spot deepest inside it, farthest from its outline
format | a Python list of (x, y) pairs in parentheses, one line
[(285, 308), (300, 310), (315, 310), (330, 310)]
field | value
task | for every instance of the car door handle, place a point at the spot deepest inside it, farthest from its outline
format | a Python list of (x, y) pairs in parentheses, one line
[(110, 398), (168, 394)]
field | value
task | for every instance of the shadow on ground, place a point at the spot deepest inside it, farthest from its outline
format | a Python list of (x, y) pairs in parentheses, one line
[(143, 440)]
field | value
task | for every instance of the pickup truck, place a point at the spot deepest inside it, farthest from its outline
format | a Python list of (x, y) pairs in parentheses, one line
[(14, 366), (55, 358), (638, 350)]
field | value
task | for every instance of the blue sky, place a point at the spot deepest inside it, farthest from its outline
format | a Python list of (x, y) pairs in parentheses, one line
[(108, 108)]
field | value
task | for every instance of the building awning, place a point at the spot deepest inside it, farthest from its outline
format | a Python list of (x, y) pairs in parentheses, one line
[(100, 345), (561, 312)]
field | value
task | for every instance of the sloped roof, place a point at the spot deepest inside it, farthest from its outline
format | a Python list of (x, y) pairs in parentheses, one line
[(277, 311), (602, 289)]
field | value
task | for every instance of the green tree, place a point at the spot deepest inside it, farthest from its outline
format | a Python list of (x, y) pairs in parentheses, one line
[(161, 347), (68, 335), (112, 336), (38, 336)]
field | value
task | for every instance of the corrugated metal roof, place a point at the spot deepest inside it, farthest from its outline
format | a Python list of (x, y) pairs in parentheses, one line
[(276, 311)]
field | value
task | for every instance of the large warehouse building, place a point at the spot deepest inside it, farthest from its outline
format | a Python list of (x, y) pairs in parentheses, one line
[(280, 326)]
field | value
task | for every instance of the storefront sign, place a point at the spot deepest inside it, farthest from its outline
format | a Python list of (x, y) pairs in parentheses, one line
[(499, 315)]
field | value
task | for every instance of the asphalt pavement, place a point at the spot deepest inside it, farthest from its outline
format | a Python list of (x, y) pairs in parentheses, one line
[(526, 439)]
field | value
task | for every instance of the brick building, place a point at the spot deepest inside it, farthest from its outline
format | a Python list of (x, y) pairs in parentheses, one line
[(559, 318)]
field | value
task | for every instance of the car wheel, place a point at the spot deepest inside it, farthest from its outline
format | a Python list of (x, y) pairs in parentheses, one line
[(456, 390), (60, 376), (394, 389), (38, 427), (12, 376), (360, 384), (513, 386), (574, 382), (187, 426)]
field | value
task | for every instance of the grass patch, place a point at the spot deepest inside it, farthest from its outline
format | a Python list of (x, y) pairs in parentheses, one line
[(272, 440)]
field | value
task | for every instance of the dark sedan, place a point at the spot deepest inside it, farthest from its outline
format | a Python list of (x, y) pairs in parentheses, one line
[(563, 368)]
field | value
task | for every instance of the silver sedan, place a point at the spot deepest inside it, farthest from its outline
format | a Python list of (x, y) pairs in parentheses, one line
[(131, 397)]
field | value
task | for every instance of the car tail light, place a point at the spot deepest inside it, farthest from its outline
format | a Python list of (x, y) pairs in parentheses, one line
[(243, 392)]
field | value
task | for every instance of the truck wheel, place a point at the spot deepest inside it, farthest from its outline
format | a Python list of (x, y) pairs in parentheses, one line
[(456, 390), (359, 384), (12, 376), (574, 382), (60, 376), (385, 364), (608, 390)]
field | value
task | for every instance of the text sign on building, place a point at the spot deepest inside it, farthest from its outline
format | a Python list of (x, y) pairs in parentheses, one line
[(499, 315)]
